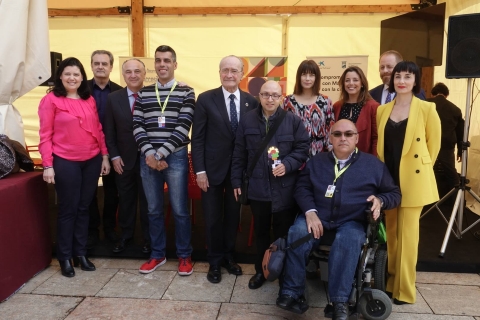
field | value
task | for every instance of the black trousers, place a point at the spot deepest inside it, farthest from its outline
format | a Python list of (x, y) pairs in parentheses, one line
[(264, 221), (110, 205), (445, 173), (222, 216), (75, 184), (130, 193)]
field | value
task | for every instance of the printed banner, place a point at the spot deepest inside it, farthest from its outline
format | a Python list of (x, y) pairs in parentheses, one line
[(332, 68), (258, 70)]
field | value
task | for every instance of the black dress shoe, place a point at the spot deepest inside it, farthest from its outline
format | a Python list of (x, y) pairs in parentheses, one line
[(389, 294), (400, 302), (85, 264), (146, 248), (121, 245), (232, 267), (214, 274), (340, 311), (291, 304), (111, 235), (67, 269), (256, 281)]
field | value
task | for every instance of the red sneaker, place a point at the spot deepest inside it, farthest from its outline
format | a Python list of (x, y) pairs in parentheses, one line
[(152, 264), (185, 267)]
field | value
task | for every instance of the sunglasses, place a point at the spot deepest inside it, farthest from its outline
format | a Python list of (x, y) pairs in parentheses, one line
[(347, 134)]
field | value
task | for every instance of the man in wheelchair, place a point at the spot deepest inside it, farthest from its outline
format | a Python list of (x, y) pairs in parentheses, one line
[(333, 192)]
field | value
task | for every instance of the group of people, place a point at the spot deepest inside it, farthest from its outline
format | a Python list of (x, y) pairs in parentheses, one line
[(322, 166)]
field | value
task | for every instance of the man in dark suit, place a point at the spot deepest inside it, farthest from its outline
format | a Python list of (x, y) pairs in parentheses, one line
[(215, 121), (125, 155), (100, 87), (452, 135), (388, 60)]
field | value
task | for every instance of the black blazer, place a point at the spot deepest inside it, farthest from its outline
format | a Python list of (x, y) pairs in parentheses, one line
[(376, 94), (212, 137), (119, 128)]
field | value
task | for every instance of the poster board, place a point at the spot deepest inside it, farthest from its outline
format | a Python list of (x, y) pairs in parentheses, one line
[(331, 69)]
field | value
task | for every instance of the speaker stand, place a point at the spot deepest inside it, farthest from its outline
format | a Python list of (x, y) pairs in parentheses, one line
[(459, 206)]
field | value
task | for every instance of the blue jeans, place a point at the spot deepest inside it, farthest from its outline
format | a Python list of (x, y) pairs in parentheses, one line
[(342, 262), (176, 177)]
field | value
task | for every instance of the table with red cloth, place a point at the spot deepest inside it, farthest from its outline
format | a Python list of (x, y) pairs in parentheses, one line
[(25, 244)]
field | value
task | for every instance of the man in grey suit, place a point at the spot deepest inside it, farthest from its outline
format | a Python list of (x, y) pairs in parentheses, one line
[(215, 122), (125, 155)]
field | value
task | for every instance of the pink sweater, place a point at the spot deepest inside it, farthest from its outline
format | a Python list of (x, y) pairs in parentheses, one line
[(70, 129)]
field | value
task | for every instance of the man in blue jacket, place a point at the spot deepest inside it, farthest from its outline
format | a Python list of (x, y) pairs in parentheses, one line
[(333, 192)]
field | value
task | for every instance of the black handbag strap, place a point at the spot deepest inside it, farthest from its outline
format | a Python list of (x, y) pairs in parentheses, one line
[(266, 140), (300, 241)]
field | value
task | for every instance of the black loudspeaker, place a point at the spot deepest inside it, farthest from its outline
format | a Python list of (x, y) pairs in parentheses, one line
[(463, 47), (55, 59)]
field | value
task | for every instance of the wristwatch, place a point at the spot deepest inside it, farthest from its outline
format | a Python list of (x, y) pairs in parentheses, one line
[(381, 202), (157, 157)]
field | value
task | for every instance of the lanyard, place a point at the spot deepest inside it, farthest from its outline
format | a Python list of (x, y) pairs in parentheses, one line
[(166, 100), (339, 173)]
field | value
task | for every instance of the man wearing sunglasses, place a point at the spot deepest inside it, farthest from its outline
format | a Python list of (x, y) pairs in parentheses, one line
[(333, 192)]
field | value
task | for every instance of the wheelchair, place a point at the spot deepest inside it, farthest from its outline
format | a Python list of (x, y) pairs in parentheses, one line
[(367, 297)]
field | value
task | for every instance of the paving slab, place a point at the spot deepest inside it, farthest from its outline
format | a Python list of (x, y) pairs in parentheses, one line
[(266, 294), (40, 278), (196, 287), (464, 279), (402, 316), (248, 269), (144, 309), (85, 283), (102, 263), (420, 306), (132, 284), (32, 306), (235, 311), (452, 299)]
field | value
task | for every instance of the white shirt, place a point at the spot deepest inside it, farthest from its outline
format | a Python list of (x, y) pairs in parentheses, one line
[(226, 96), (169, 84), (385, 93)]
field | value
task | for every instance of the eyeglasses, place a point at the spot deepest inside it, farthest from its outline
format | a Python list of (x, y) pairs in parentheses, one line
[(266, 96), (232, 71), (347, 134)]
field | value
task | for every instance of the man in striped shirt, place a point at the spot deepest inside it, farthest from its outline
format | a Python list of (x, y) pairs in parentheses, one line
[(161, 123)]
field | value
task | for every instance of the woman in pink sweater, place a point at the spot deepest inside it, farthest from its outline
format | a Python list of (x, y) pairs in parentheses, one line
[(74, 154)]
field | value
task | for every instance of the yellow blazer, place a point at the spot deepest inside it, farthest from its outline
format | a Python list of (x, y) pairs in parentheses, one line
[(420, 150)]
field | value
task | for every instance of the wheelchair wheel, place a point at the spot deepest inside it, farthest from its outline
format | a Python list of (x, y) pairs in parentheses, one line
[(382, 303), (380, 270)]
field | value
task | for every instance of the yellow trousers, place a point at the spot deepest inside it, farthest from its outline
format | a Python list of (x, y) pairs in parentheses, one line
[(402, 224)]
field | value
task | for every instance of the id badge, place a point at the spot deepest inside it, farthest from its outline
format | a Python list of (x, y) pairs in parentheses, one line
[(161, 122), (330, 191)]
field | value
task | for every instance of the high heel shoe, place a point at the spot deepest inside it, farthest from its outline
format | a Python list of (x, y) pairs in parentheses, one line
[(67, 269), (85, 264)]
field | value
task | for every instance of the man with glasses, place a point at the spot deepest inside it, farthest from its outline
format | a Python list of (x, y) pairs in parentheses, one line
[(273, 177), (216, 118), (333, 192), (162, 119)]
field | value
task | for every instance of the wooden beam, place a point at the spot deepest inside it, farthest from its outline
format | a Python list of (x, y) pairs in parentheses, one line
[(427, 80), (138, 32), (84, 12), (282, 9)]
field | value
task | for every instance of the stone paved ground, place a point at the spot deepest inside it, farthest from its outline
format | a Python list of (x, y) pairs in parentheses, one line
[(118, 291)]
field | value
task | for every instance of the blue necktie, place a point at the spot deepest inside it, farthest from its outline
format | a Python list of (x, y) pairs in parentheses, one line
[(389, 98), (233, 114)]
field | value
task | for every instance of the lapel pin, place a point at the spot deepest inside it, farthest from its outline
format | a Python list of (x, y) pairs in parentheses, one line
[(246, 104)]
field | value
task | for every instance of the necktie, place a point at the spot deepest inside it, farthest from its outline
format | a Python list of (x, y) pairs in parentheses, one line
[(389, 97), (134, 95), (233, 114)]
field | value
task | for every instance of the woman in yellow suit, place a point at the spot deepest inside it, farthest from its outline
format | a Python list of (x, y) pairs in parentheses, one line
[(409, 135)]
